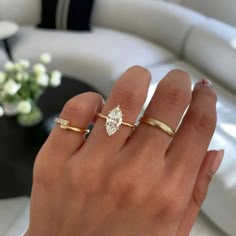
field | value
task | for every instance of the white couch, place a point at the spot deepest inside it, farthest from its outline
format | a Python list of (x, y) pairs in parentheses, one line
[(222, 10), (155, 34)]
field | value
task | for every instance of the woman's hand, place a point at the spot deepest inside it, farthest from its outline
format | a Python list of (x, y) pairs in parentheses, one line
[(140, 183)]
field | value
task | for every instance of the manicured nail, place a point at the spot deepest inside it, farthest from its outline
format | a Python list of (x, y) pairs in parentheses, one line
[(216, 162), (205, 82)]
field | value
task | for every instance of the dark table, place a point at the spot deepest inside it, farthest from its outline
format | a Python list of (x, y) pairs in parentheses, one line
[(19, 145)]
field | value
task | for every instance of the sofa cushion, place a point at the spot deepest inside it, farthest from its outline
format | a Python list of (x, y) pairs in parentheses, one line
[(97, 57), (71, 14), (220, 204), (222, 10), (211, 47), (165, 23), (24, 12)]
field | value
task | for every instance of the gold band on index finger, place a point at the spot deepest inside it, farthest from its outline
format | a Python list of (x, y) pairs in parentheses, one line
[(64, 124)]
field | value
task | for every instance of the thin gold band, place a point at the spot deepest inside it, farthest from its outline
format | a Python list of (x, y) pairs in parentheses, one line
[(64, 124), (123, 123), (158, 124)]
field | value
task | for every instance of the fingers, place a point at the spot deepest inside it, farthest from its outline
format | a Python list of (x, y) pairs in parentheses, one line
[(209, 167), (171, 98), (80, 111), (190, 144), (129, 93)]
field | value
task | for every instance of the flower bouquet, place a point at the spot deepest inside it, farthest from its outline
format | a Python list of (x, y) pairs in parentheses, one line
[(21, 85)]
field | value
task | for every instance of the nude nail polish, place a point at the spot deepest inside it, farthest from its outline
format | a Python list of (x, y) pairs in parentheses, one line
[(205, 82), (216, 162)]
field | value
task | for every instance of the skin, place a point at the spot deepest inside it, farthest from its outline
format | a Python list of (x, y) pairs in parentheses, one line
[(144, 183)]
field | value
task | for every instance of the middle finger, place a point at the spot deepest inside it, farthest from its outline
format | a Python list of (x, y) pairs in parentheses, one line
[(129, 93)]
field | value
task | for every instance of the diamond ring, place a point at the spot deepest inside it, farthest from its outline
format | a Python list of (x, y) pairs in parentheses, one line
[(114, 121), (64, 124)]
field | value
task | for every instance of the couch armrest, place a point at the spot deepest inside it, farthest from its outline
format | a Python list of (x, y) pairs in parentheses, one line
[(211, 46), (162, 22), (24, 12)]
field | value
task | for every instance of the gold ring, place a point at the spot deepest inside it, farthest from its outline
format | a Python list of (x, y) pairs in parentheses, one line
[(158, 124), (114, 121), (64, 124)]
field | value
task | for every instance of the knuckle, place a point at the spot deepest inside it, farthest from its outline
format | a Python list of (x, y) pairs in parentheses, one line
[(178, 73), (84, 180), (130, 90), (142, 70), (208, 94), (212, 95), (202, 120), (121, 184), (207, 122), (44, 178), (81, 103), (123, 189), (129, 99), (200, 193), (175, 208), (175, 97), (172, 205), (91, 182), (91, 96), (74, 106)]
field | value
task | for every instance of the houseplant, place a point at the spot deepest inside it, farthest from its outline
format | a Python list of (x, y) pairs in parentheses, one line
[(21, 85)]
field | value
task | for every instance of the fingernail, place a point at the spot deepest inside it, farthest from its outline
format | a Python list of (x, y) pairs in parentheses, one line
[(216, 162), (205, 82)]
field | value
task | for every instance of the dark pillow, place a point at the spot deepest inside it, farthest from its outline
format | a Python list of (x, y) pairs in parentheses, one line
[(66, 14)]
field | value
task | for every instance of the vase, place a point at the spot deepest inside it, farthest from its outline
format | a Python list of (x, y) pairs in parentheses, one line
[(32, 118)]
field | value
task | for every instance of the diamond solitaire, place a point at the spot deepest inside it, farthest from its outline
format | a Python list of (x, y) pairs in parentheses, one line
[(114, 121)]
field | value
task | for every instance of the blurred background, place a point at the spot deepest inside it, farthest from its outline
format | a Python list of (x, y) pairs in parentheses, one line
[(51, 50)]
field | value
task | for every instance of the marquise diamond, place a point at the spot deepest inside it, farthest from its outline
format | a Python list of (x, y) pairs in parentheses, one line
[(114, 121)]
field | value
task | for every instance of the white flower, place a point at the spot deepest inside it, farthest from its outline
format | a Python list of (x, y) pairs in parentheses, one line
[(1, 111), (18, 67), (25, 76), (2, 77), (24, 107), (19, 76), (24, 63), (45, 58), (39, 69), (2, 95), (9, 65), (11, 87), (43, 80), (55, 78)]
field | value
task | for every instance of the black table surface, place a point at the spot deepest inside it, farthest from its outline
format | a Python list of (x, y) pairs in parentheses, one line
[(19, 145)]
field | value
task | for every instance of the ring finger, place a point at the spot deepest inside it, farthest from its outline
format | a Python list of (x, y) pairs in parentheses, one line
[(171, 98)]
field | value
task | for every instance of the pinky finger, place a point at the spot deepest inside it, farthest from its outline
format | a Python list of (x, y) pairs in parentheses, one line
[(209, 167)]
